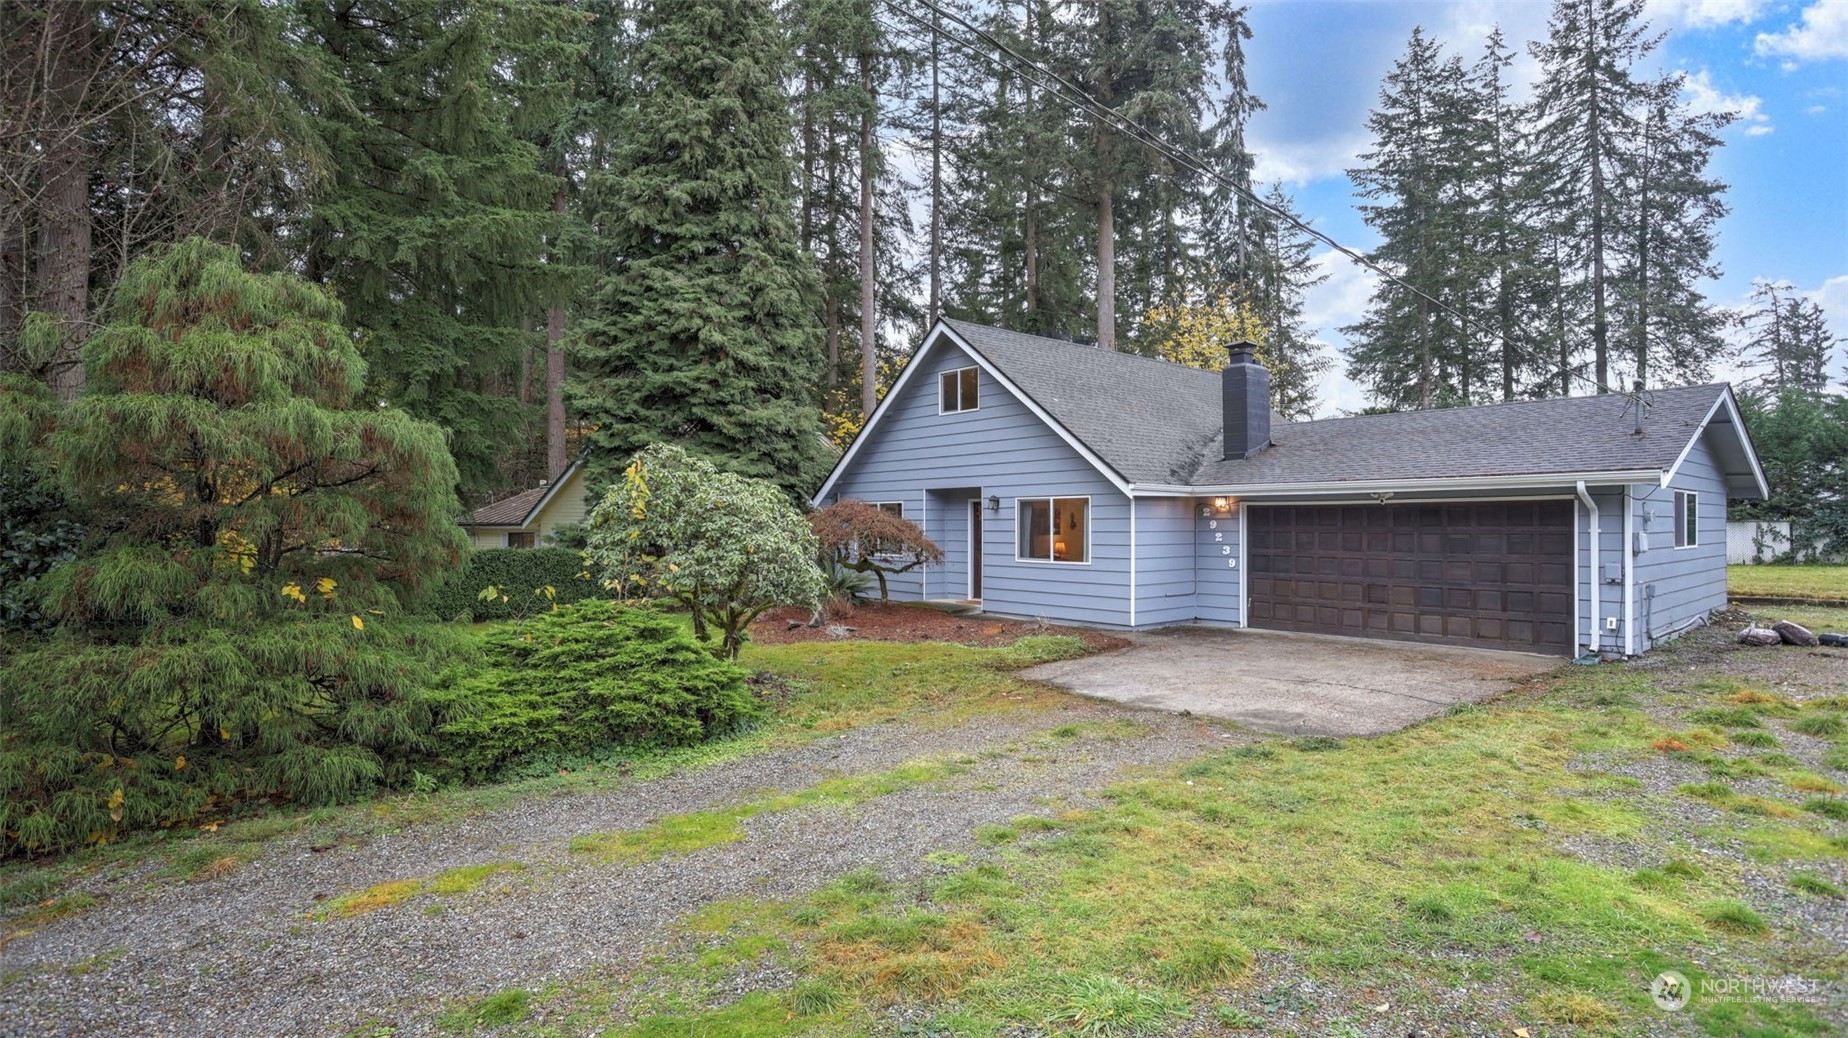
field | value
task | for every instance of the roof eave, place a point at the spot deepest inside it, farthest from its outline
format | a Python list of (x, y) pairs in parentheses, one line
[(1516, 481)]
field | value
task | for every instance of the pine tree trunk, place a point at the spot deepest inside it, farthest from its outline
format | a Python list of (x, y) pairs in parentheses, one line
[(869, 342), (556, 452), (1106, 268), (936, 175), (65, 230), (1600, 328), (1559, 323), (12, 291), (1031, 210)]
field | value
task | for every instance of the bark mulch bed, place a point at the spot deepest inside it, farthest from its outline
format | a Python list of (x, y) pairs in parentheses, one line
[(889, 622)]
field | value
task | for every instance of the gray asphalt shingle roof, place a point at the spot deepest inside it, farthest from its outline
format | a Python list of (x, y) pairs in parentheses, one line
[(1157, 422)]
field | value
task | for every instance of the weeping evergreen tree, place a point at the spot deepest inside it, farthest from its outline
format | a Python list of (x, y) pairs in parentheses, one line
[(701, 332), (229, 629)]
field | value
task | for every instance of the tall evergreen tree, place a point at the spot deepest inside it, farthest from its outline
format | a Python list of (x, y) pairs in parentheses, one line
[(701, 331), (434, 225), (1500, 239), (1586, 115), (1410, 349), (1790, 339), (1672, 211), (1146, 61)]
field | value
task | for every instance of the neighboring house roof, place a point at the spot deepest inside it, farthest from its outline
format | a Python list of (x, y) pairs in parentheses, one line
[(1156, 424), (519, 510)]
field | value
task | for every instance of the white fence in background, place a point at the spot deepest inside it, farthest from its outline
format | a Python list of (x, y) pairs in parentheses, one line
[(1753, 540)]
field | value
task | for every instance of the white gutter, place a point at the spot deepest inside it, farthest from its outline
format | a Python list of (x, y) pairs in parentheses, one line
[(1592, 507), (1629, 575), (1353, 486)]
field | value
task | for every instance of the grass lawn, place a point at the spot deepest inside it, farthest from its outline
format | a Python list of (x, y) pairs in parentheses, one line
[(1533, 863), (1553, 851), (1827, 582)]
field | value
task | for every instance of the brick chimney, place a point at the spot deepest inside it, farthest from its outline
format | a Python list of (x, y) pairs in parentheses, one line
[(1245, 390)]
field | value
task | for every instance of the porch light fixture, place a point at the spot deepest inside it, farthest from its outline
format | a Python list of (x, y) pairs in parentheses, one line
[(1222, 504), (994, 503)]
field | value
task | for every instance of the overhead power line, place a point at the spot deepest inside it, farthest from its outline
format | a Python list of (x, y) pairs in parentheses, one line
[(1052, 81)]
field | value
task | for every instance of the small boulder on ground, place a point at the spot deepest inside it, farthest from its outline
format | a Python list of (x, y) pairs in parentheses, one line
[(1839, 641), (1760, 636), (1795, 634)]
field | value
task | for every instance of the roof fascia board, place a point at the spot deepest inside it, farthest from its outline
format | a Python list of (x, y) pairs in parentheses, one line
[(551, 492), (1103, 469), (1514, 482), (879, 412), (1739, 430), (538, 506), (940, 332)]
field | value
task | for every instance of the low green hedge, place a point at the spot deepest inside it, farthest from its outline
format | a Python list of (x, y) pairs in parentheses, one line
[(581, 680), (522, 575)]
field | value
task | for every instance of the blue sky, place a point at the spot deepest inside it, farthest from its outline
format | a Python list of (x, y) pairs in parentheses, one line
[(1318, 64)]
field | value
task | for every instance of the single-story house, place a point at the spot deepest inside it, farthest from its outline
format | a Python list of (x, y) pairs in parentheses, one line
[(527, 518), (1102, 488)]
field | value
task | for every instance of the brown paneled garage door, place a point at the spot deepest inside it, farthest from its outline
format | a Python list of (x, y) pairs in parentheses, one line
[(1495, 575)]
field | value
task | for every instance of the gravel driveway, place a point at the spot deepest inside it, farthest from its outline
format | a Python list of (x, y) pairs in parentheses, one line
[(241, 955)]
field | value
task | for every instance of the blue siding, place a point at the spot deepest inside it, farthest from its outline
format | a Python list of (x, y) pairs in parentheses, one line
[(1610, 553), (938, 462), (1688, 582), (1164, 561), (1219, 594)]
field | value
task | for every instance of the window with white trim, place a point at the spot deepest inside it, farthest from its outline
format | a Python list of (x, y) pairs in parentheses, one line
[(1687, 519), (896, 509), (957, 391), (523, 539), (1054, 529)]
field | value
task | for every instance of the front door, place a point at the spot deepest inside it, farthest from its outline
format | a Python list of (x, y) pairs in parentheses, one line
[(975, 550)]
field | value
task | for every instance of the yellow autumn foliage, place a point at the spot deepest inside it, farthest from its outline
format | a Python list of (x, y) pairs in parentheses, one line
[(1196, 334)]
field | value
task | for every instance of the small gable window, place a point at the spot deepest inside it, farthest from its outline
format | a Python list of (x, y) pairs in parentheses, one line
[(957, 391), (1055, 529), (1687, 519)]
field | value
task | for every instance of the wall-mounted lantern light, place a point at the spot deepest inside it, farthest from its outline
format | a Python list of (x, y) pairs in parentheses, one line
[(1222, 504), (994, 503)]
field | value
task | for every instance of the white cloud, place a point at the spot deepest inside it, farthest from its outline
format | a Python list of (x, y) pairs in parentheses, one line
[(1296, 163), (1340, 300), (1705, 14), (1823, 34), (1816, 109), (1833, 298), (1703, 98)]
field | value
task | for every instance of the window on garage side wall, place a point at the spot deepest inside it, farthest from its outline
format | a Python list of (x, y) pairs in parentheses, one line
[(1054, 529), (1687, 519)]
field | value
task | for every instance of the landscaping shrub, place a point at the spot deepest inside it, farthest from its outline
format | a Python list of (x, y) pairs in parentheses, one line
[(587, 677), (229, 629), (521, 574), (197, 721)]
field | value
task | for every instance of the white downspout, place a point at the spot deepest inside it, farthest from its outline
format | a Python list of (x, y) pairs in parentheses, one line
[(1132, 562), (1592, 507), (1629, 575)]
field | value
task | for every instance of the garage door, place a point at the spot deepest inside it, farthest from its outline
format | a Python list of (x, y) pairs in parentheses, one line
[(1495, 575)]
